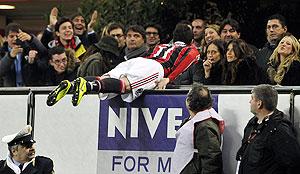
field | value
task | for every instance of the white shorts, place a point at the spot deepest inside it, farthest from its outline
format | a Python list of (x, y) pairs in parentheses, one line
[(141, 73)]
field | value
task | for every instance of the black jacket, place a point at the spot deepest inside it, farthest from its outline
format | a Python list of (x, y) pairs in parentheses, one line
[(291, 76), (215, 77), (263, 56), (41, 165), (270, 147), (51, 78)]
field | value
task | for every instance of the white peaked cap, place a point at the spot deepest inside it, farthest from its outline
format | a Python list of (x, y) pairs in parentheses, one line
[(25, 132)]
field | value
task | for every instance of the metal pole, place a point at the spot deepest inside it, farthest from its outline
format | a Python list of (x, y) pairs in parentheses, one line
[(31, 110), (292, 107)]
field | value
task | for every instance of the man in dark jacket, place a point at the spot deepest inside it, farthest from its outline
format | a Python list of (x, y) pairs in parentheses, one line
[(21, 158), (269, 145), (62, 66), (198, 140), (275, 29), (135, 42), (17, 68)]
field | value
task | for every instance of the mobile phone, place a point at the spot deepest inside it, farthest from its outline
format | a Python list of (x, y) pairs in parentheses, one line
[(19, 42)]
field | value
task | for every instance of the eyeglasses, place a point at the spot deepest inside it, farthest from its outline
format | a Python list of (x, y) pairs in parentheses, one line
[(154, 33), (117, 35), (58, 62)]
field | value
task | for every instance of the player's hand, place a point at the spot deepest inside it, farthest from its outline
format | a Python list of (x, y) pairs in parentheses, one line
[(93, 21), (162, 83)]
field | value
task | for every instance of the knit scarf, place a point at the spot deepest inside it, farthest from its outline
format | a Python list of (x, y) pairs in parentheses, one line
[(71, 44), (135, 53)]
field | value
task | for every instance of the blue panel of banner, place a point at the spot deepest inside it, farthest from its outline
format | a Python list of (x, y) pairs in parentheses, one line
[(147, 124)]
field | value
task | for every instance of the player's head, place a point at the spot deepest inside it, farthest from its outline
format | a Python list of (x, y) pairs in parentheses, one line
[(183, 33)]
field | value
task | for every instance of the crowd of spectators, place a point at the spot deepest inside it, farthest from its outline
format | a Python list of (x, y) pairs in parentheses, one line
[(69, 48)]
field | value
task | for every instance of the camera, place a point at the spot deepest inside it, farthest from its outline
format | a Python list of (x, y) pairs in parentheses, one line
[(19, 42)]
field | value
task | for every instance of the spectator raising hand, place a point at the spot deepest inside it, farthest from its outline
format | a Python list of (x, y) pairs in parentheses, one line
[(53, 18), (93, 21)]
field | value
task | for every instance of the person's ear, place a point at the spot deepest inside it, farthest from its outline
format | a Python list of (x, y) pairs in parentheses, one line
[(14, 150), (260, 104), (51, 62), (285, 28)]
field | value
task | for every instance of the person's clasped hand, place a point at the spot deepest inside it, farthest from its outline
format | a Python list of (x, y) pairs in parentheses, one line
[(32, 55)]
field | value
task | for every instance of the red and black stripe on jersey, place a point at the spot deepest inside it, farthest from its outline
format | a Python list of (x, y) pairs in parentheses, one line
[(175, 58)]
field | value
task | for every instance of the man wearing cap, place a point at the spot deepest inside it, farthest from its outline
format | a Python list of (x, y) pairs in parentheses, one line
[(21, 157), (104, 57)]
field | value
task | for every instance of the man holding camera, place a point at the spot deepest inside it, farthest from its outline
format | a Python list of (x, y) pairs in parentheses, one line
[(19, 57)]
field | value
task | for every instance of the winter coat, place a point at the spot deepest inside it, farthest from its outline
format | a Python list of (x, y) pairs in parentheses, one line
[(263, 56), (207, 140), (94, 65), (51, 78), (215, 77)]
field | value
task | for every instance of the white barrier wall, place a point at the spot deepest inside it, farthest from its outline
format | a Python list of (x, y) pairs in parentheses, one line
[(13, 117), (67, 134)]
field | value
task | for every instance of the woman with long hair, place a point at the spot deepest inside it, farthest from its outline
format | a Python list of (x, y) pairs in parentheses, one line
[(284, 64), (212, 65), (240, 67), (211, 33)]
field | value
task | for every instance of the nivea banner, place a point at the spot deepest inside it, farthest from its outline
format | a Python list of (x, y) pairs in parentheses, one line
[(139, 137)]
